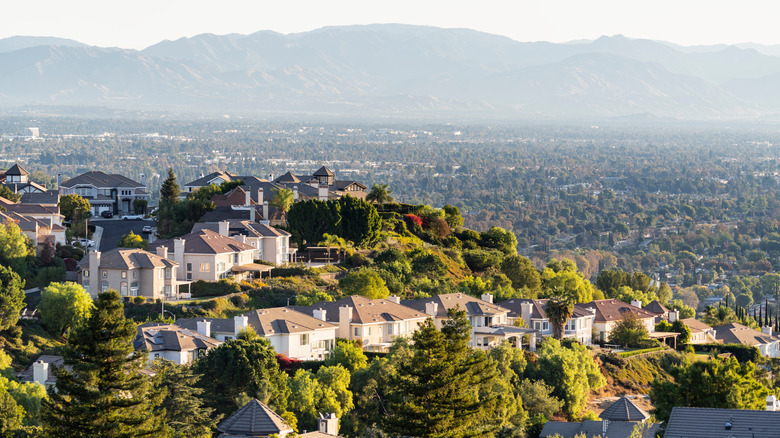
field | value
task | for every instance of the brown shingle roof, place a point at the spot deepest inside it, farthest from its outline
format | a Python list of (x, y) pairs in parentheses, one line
[(695, 325), (472, 305), (205, 242), (656, 307), (365, 311), (129, 258), (613, 310), (739, 334), (168, 337), (284, 320)]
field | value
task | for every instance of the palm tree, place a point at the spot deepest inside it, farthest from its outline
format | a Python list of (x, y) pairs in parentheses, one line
[(283, 199), (380, 194), (558, 310)]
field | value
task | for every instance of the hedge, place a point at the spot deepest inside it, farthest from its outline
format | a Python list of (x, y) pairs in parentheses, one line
[(222, 287), (637, 352), (743, 353)]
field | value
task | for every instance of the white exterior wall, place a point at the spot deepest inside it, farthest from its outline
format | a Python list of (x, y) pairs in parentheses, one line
[(218, 265), (177, 357)]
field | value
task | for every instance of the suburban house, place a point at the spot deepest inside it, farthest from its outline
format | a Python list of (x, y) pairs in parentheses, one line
[(131, 271), (209, 256), (687, 422), (41, 223), (272, 244), (256, 420), (532, 314), (483, 315), (107, 192), (610, 312), (292, 333), (17, 179), (374, 322), (661, 312), (617, 421), (701, 333), (205, 180), (739, 334), (171, 342), (42, 370)]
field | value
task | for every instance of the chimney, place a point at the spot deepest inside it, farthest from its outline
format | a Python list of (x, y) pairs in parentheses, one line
[(295, 193), (40, 372), (204, 328), (345, 320), (260, 196), (487, 297), (432, 309), (224, 228), (240, 323), (767, 330), (394, 299), (59, 180), (526, 307), (94, 273), (270, 177), (143, 180), (320, 314), (202, 175), (247, 198), (328, 424), (162, 251), (674, 315), (178, 251), (265, 210), (322, 192), (252, 213), (636, 303), (771, 403)]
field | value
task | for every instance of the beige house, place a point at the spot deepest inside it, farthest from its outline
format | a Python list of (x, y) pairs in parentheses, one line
[(701, 333), (41, 223), (764, 340), (209, 256), (532, 314), (107, 192), (272, 244), (171, 342), (610, 312), (374, 322), (132, 272), (483, 315)]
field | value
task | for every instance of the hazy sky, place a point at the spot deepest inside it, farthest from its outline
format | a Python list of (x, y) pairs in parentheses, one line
[(140, 23)]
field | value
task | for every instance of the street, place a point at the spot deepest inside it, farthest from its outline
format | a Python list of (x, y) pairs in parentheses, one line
[(114, 229)]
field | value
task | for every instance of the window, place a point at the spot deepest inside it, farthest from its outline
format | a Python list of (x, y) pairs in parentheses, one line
[(124, 274), (368, 331), (123, 288), (305, 339), (105, 274), (85, 273), (104, 286), (189, 266), (168, 291), (189, 276), (135, 274), (161, 273), (85, 285), (390, 329), (167, 273), (357, 331), (205, 267), (235, 258)]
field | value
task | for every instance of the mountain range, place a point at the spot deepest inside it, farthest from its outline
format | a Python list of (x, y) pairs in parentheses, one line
[(393, 70)]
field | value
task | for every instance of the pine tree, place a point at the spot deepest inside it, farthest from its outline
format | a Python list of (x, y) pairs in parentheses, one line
[(185, 415), (169, 192), (104, 394)]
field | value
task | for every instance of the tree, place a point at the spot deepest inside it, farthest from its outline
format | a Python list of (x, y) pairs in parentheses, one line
[(242, 368), (169, 191), (310, 220), (538, 399), (11, 414), (360, 222), (499, 238), (11, 298), (453, 217), (558, 310), (282, 200), (184, 413), (630, 331), (379, 194), (139, 206), (685, 333), (104, 394), (522, 272), (366, 282), (15, 248), (716, 383), (442, 388), (74, 207), (9, 194), (64, 305), (325, 391), (347, 354), (132, 240)]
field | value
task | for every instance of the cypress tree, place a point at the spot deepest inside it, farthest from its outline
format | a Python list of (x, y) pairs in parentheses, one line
[(104, 394), (169, 192)]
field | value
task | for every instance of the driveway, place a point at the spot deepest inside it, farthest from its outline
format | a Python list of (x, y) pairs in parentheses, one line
[(114, 229)]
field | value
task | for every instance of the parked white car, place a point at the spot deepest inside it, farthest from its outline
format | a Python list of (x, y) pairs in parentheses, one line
[(133, 216), (86, 243)]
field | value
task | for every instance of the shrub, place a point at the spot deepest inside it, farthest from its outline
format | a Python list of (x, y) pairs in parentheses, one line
[(139, 300), (743, 353), (240, 300), (222, 287)]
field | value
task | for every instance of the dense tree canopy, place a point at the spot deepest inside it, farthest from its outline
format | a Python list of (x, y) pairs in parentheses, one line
[(64, 305)]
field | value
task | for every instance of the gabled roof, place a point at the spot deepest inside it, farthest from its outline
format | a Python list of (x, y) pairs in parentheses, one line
[(473, 306), (277, 320), (537, 308), (656, 307), (225, 213), (695, 325), (129, 258), (253, 420), (287, 178), (17, 170), (205, 242), (168, 337), (613, 310), (323, 171), (100, 179), (205, 180), (365, 310), (245, 228), (50, 197), (739, 334), (591, 429), (712, 423), (624, 410), (340, 185)]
